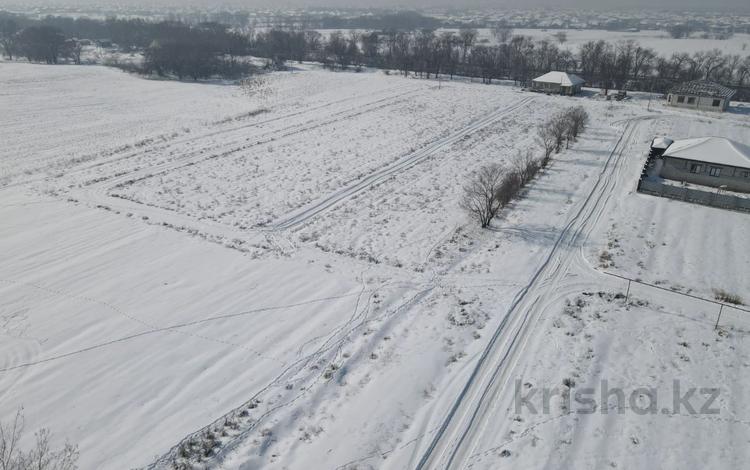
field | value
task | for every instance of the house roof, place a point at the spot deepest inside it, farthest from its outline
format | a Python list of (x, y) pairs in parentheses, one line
[(702, 88), (560, 78), (717, 150)]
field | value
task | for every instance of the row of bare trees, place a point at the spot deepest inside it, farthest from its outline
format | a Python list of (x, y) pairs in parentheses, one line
[(427, 53), (493, 186), (563, 128)]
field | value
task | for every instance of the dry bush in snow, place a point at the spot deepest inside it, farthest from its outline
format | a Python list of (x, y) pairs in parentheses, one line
[(526, 166), (577, 120), (559, 129), (511, 183), (563, 127), (724, 296), (40, 456), (258, 87), (547, 140)]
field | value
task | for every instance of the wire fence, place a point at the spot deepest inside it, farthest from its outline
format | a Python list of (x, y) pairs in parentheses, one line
[(720, 314)]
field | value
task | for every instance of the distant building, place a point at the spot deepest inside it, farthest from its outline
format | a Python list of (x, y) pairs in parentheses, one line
[(708, 161), (559, 83), (700, 94)]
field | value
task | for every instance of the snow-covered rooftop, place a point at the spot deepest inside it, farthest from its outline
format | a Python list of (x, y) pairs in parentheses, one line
[(562, 78), (702, 88), (661, 143), (717, 150)]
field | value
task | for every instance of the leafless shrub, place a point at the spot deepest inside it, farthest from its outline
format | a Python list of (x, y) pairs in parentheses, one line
[(481, 194), (40, 456), (526, 166), (257, 86), (563, 127), (577, 120), (547, 140), (724, 296), (492, 188), (559, 129), (510, 184)]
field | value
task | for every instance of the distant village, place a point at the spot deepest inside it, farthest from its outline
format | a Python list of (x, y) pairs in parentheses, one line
[(679, 24)]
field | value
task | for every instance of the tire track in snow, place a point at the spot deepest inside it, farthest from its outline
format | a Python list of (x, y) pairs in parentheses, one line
[(336, 338), (174, 328), (162, 142), (399, 166), (226, 149), (98, 192)]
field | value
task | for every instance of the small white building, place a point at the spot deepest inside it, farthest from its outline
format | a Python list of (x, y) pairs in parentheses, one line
[(700, 94), (559, 83)]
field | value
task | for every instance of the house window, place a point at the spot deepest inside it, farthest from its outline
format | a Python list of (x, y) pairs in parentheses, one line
[(714, 171), (696, 168), (680, 99), (746, 174), (691, 100), (716, 103)]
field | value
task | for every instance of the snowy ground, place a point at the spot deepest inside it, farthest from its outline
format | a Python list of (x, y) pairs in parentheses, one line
[(295, 269)]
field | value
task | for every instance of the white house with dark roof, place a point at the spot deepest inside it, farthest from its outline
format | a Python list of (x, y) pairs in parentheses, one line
[(700, 94), (708, 161), (559, 83)]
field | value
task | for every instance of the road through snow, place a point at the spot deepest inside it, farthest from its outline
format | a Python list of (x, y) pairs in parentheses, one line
[(453, 441)]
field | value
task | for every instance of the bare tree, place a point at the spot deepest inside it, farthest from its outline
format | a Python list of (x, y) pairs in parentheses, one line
[(502, 32), (39, 457), (510, 185), (73, 49), (547, 140), (525, 166), (468, 39), (8, 37), (9, 437), (577, 120), (559, 128), (561, 36), (482, 194)]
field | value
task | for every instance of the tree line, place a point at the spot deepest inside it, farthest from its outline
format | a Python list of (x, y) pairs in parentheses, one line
[(494, 186), (209, 49), (429, 53), (168, 47)]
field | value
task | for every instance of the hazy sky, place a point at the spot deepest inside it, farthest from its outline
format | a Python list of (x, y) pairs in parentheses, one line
[(737, 5)]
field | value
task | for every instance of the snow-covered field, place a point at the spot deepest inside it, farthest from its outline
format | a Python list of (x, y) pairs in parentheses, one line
[(295, 269)]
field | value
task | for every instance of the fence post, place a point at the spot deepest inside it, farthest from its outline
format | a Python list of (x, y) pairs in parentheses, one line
[(627, 294), (716, 327)]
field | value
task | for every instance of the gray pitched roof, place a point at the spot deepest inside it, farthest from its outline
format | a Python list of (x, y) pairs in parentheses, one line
[(716, 150), (702, 88)]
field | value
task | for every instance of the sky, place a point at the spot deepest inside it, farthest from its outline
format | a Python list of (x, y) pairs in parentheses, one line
[(713, 5)]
